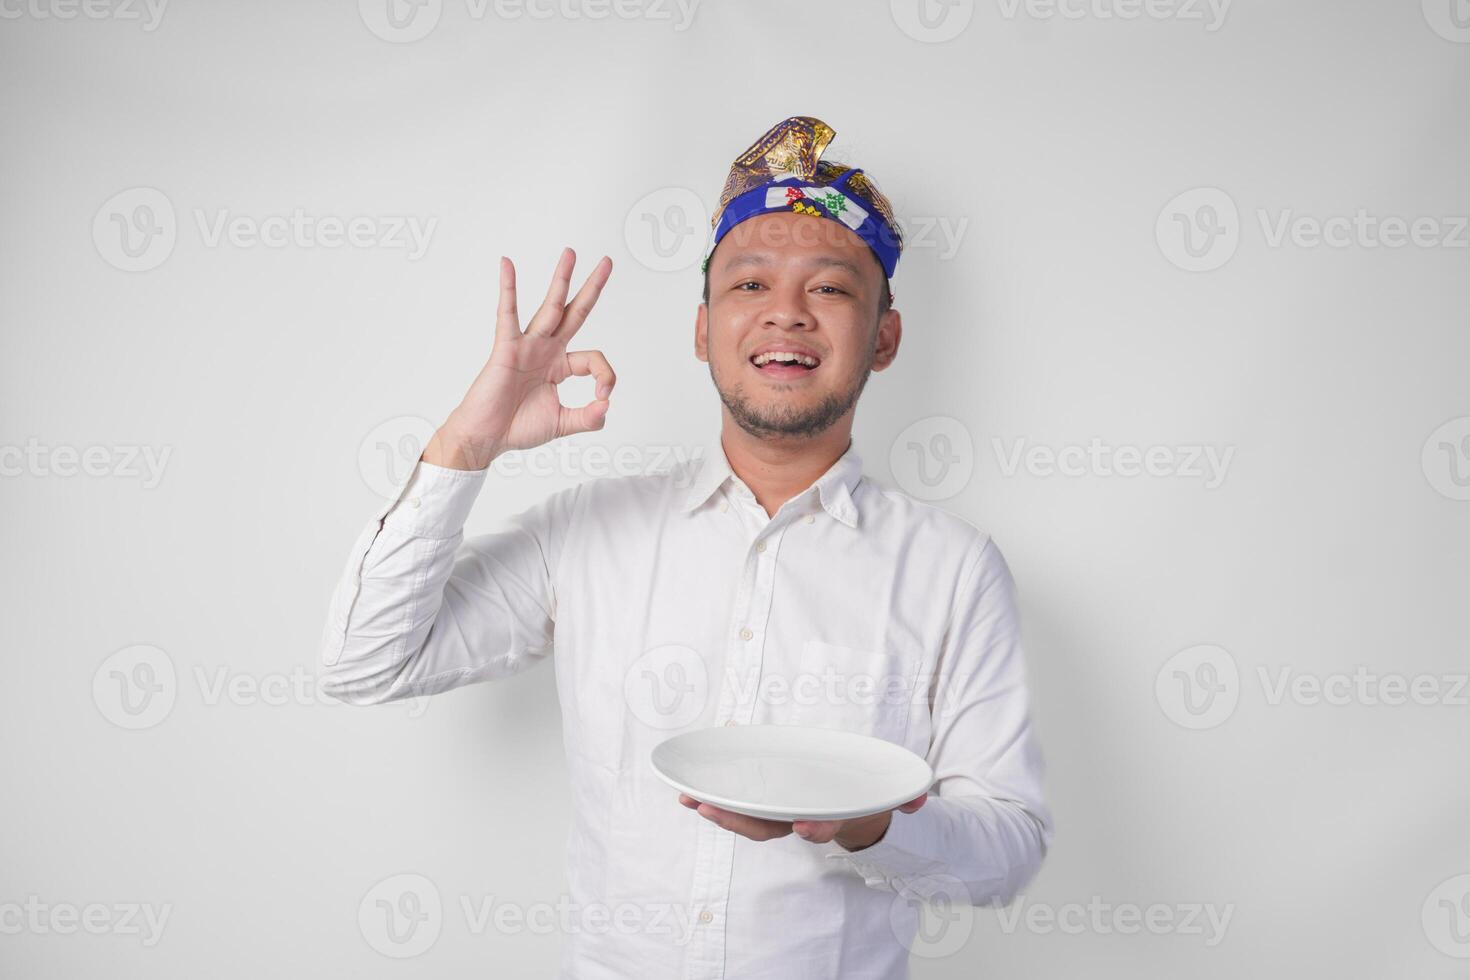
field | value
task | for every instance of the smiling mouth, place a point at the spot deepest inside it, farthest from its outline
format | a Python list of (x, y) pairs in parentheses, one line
[(784, 364)]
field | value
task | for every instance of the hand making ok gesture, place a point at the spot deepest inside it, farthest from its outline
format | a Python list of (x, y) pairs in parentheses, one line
[(513, 402)]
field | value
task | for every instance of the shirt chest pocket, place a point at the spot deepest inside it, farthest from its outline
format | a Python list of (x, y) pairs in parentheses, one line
[(865, 691)]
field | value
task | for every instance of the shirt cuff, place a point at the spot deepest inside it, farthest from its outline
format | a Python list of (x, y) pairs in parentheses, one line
[(435, 501), (897, 861)]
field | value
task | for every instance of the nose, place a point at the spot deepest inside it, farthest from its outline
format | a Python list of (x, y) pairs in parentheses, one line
[(786, 308)]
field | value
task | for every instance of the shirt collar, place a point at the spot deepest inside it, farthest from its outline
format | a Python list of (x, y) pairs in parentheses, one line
[(834, 488)]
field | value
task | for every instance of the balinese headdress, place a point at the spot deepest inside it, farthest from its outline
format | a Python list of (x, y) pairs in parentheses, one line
[(783, 171)]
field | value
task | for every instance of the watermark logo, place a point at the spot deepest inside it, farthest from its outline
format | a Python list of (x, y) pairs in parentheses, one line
[(1362, 229), (932, 21), (932, 915), (406, 21), (1450, 19), (407, 233), (666, 230), (943, 233), (933, 458), (400, 21), (387, 455), (566, 917), (401, 916), (1210, 13), (869, 685), (147, 13), (143, 920), (667, 687), (1446, 917), (1445, 459), (1199, 687), (1362, 687), (404, 915), (135, 230), (122, 461), (563, 458), (135, 688), (1100, 917), (1207, 464), (1199, 230)]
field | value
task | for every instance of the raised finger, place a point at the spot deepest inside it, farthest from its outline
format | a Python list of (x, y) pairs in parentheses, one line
[(584, 362), (507, 321), (546, 318), (581, 305)]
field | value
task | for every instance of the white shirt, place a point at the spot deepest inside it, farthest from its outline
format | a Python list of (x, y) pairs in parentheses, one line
[(674, 602)]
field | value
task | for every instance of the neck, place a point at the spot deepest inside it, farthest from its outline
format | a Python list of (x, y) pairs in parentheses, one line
[(778, 468)]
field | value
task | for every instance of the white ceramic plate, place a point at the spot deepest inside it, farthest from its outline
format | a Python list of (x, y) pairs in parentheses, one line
[(791, 772)]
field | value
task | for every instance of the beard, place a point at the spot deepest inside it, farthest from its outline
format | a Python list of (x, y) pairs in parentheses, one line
[(771, 419)]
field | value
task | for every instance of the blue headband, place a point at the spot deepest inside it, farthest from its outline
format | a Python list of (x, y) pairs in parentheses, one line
[(798, 195)]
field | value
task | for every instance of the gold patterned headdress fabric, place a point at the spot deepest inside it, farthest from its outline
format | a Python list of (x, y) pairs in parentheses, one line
[(784, 171)]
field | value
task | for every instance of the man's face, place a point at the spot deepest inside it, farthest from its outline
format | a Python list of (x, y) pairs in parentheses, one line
[(787, 282)]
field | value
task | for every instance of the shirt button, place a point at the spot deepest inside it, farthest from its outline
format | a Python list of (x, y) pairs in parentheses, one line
[(730, 722), (746, 634), (413, 502), (724, 505), (760, 546), (810, 518), (706, 916)]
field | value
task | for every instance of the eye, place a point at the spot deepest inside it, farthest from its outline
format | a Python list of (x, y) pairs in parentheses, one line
[(835, 290), (740, 287)]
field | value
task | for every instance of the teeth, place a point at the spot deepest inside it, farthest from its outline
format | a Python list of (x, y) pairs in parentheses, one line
[(785, 357)]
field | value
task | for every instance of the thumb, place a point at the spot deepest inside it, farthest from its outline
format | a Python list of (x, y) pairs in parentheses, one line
[(588, 418)]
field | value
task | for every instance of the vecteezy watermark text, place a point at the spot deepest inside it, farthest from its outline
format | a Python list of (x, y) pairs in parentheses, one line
[(122, 461), (144, 920), (1102, 918), (387, 455), (406, 21), (1200, 229), (1209, 12), (149, 13), (1208, 464), (1200, 687), (137, 229), (137, 687), (403, 915)]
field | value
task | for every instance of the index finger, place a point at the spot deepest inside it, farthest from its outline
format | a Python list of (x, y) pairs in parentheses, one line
[(581, 305), (507, 321), (738, 823)]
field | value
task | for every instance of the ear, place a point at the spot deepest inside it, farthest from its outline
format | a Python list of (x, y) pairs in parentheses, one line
[(701, 332), (890, 332)]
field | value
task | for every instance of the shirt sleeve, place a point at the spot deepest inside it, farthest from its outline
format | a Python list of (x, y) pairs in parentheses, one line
[(985, 828), (420, 610)]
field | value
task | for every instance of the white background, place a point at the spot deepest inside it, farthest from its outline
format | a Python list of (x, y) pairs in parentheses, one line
[(1052, 145)]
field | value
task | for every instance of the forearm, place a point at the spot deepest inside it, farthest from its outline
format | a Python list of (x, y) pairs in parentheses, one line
[(451, 448), (987, 848), (985, 827), (375, 646)]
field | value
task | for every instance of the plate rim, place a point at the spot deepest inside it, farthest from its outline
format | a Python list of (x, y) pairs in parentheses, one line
[(788, 814)]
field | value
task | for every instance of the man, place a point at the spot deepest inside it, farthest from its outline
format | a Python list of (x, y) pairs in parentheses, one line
[(775, 561)]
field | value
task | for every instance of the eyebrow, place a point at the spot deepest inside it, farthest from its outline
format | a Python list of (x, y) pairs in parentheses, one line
[(756, 258)]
